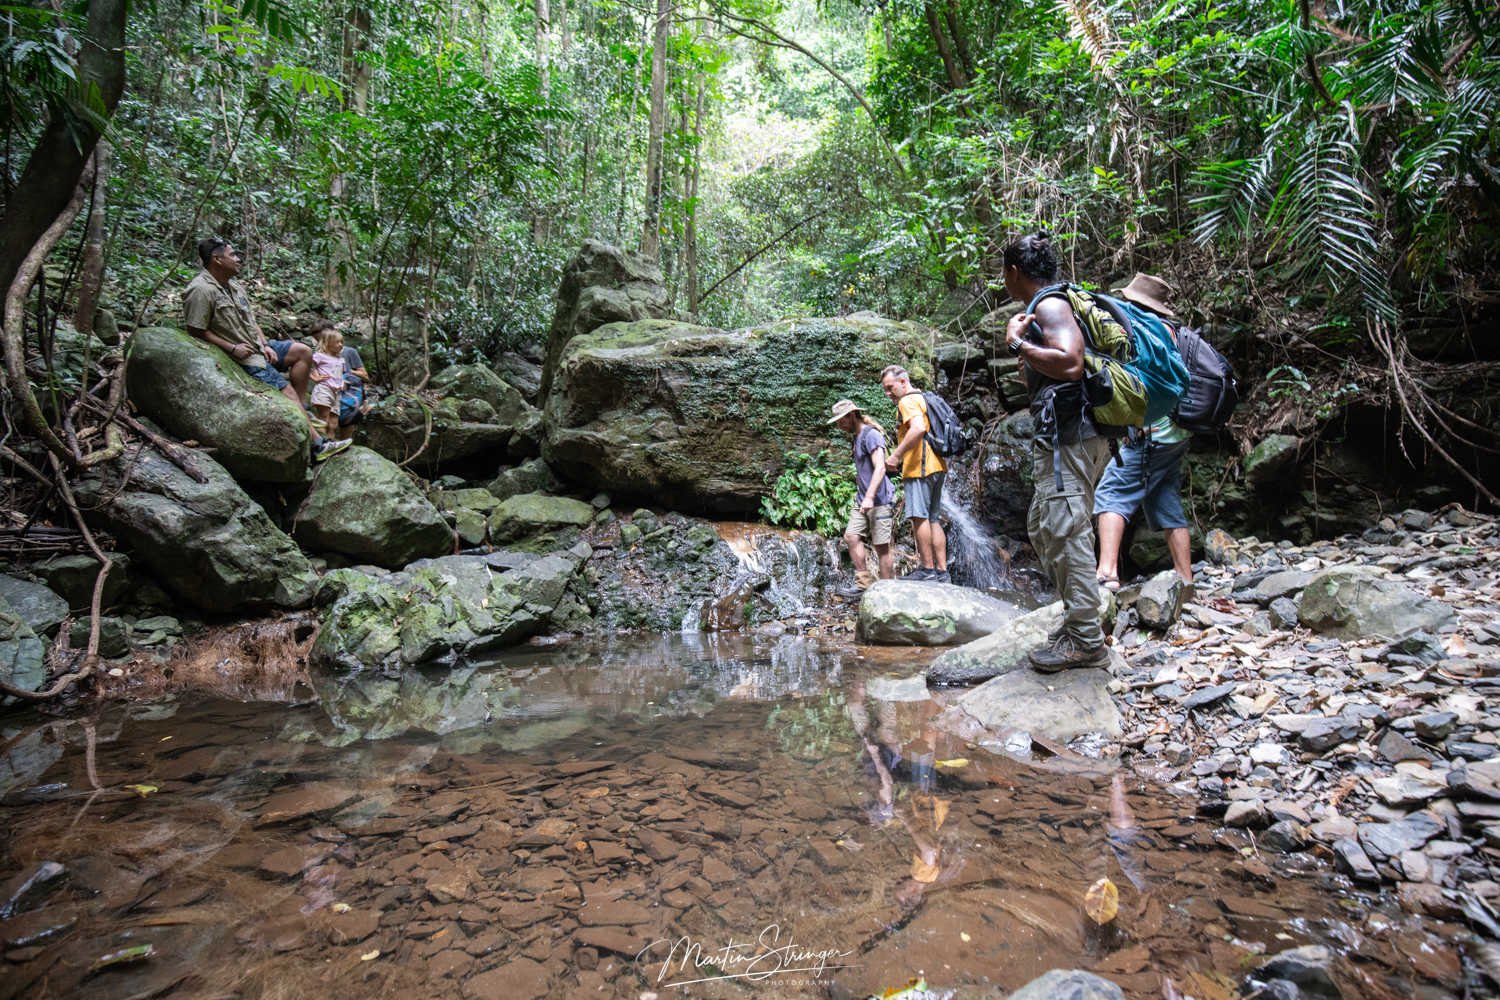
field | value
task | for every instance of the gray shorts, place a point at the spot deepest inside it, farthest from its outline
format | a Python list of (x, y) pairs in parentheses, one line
[(924, 497)]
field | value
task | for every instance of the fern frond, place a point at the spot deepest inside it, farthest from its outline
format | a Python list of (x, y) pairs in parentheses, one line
[(1089, 24)]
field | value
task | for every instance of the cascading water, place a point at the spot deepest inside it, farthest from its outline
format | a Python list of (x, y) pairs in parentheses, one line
[(782, 575), (975, 558)]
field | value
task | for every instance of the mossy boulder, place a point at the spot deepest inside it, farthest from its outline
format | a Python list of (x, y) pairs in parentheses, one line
[(207, 542), (534, 513), (916, 613), (72, 578), (362, 506), (41, 609), (531, 476), (23, 654), (439, 610), (700, 418), (602, 284), (1269, 461), (198, 393)]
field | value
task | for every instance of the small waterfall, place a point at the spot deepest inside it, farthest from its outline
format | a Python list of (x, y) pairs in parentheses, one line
[(974, 557), (782, 572)]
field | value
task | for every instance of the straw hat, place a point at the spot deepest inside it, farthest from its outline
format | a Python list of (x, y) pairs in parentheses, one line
[(842, 409), (1149, 291)]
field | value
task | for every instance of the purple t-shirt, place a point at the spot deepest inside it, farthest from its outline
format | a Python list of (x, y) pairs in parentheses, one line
[(865, 444)]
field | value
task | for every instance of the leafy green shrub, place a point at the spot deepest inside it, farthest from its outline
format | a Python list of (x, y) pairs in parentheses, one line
[(813, 492)]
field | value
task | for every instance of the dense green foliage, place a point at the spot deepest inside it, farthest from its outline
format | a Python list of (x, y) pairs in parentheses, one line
[(814, 491), (430, 167)]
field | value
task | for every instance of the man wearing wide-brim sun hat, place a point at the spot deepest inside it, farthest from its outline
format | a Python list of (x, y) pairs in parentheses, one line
[(870, 516), (1148, 476)]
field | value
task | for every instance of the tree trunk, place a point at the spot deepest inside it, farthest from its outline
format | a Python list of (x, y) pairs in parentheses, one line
[(67, 141), (339, 286), (542, 36), (635, 89), (690, 236), (91, 271), (956, 80), (651, 230), (956, 30)]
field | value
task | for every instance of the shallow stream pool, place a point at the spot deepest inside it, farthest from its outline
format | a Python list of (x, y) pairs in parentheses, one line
[(703, 816)]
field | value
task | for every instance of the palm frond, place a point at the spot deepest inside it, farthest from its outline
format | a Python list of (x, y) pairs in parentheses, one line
[(1088, 23)]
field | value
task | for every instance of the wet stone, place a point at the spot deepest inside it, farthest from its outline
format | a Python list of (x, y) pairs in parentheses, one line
[(1388, 840), (29, 887), (1468, 750), (1245, 813), (1434, 726), (1481, 780), (1309, 967), (519, 979), (1208, 695), (1284, 837), (1069, 984), (1322, 735), (306, 800), (353, 927), (1353, 860), (1397, 748)]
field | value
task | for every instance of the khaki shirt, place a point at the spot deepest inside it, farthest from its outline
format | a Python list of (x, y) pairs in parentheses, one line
[(208, 305)]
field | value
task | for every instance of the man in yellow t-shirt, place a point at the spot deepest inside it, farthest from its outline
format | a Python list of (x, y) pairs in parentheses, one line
[(922, 473)]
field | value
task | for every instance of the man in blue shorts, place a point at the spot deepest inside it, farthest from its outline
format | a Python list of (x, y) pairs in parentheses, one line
[(1148, 476), (216, 309)]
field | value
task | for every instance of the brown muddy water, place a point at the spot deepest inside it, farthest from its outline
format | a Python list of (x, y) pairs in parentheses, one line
[(713, 817)]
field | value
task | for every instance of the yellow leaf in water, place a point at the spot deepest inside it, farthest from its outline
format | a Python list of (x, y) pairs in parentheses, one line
[(923, 871), (580, 846), (342, 907), (597, 793), (1102, 902), (164, 739), (954, 762), (370, 956), (142, 790), (964, 937), (939, 812)]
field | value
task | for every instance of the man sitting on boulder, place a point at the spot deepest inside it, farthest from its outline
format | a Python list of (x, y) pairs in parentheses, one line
[(217, 310), (870, 517)]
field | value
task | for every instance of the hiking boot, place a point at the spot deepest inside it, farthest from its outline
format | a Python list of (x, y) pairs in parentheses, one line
[(849, 591), (1066, 653), (920, 573), (940, 576), (328, 448)]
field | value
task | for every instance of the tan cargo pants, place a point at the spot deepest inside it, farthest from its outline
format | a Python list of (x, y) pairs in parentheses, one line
[(1061, 525)]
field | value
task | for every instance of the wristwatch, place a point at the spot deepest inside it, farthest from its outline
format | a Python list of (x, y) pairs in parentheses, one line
[(1014, 346)]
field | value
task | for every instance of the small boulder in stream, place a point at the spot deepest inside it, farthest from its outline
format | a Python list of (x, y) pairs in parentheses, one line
[(1069, 984), (438, 610), (207, 542), (23, 654), (1007, 648), (918, 613), (362, 506), (1060, 706), (199, 393)]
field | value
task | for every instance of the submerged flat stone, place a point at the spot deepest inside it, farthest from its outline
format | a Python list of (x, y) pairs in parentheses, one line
[(1059, 706)]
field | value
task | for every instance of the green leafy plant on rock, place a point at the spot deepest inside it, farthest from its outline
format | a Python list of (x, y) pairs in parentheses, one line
[(812, 492)]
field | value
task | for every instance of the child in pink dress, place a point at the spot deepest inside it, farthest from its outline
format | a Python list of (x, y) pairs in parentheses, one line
[(328, 376)]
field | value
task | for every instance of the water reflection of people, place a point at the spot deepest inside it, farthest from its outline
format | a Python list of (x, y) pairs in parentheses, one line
[(918, 809)]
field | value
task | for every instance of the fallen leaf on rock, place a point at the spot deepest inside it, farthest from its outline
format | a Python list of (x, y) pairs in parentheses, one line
[(341, 907), (954, 762), (142, 790), (939, 812), (1102, 902), (370, 956)]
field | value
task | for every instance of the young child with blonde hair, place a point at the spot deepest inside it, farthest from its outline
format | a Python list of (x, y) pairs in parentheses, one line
[(328, 376)]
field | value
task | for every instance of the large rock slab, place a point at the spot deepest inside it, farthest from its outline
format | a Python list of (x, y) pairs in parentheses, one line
[(208, 543), (1356, 602), (700, 418), (199, 393), (531, 513), (1059, 706), (37, 605), (23, 654), (1006, 648), (438, 610), (602, 284), (361, 505), (917, 613)]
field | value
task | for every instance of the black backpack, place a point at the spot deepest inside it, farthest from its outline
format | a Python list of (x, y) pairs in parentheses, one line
[(945, 432), (1212, 392)]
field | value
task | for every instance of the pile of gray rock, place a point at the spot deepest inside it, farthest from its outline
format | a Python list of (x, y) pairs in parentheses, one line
[(1338, 698)]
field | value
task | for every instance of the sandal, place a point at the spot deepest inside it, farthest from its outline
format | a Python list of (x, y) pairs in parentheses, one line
[(1109, 583)]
